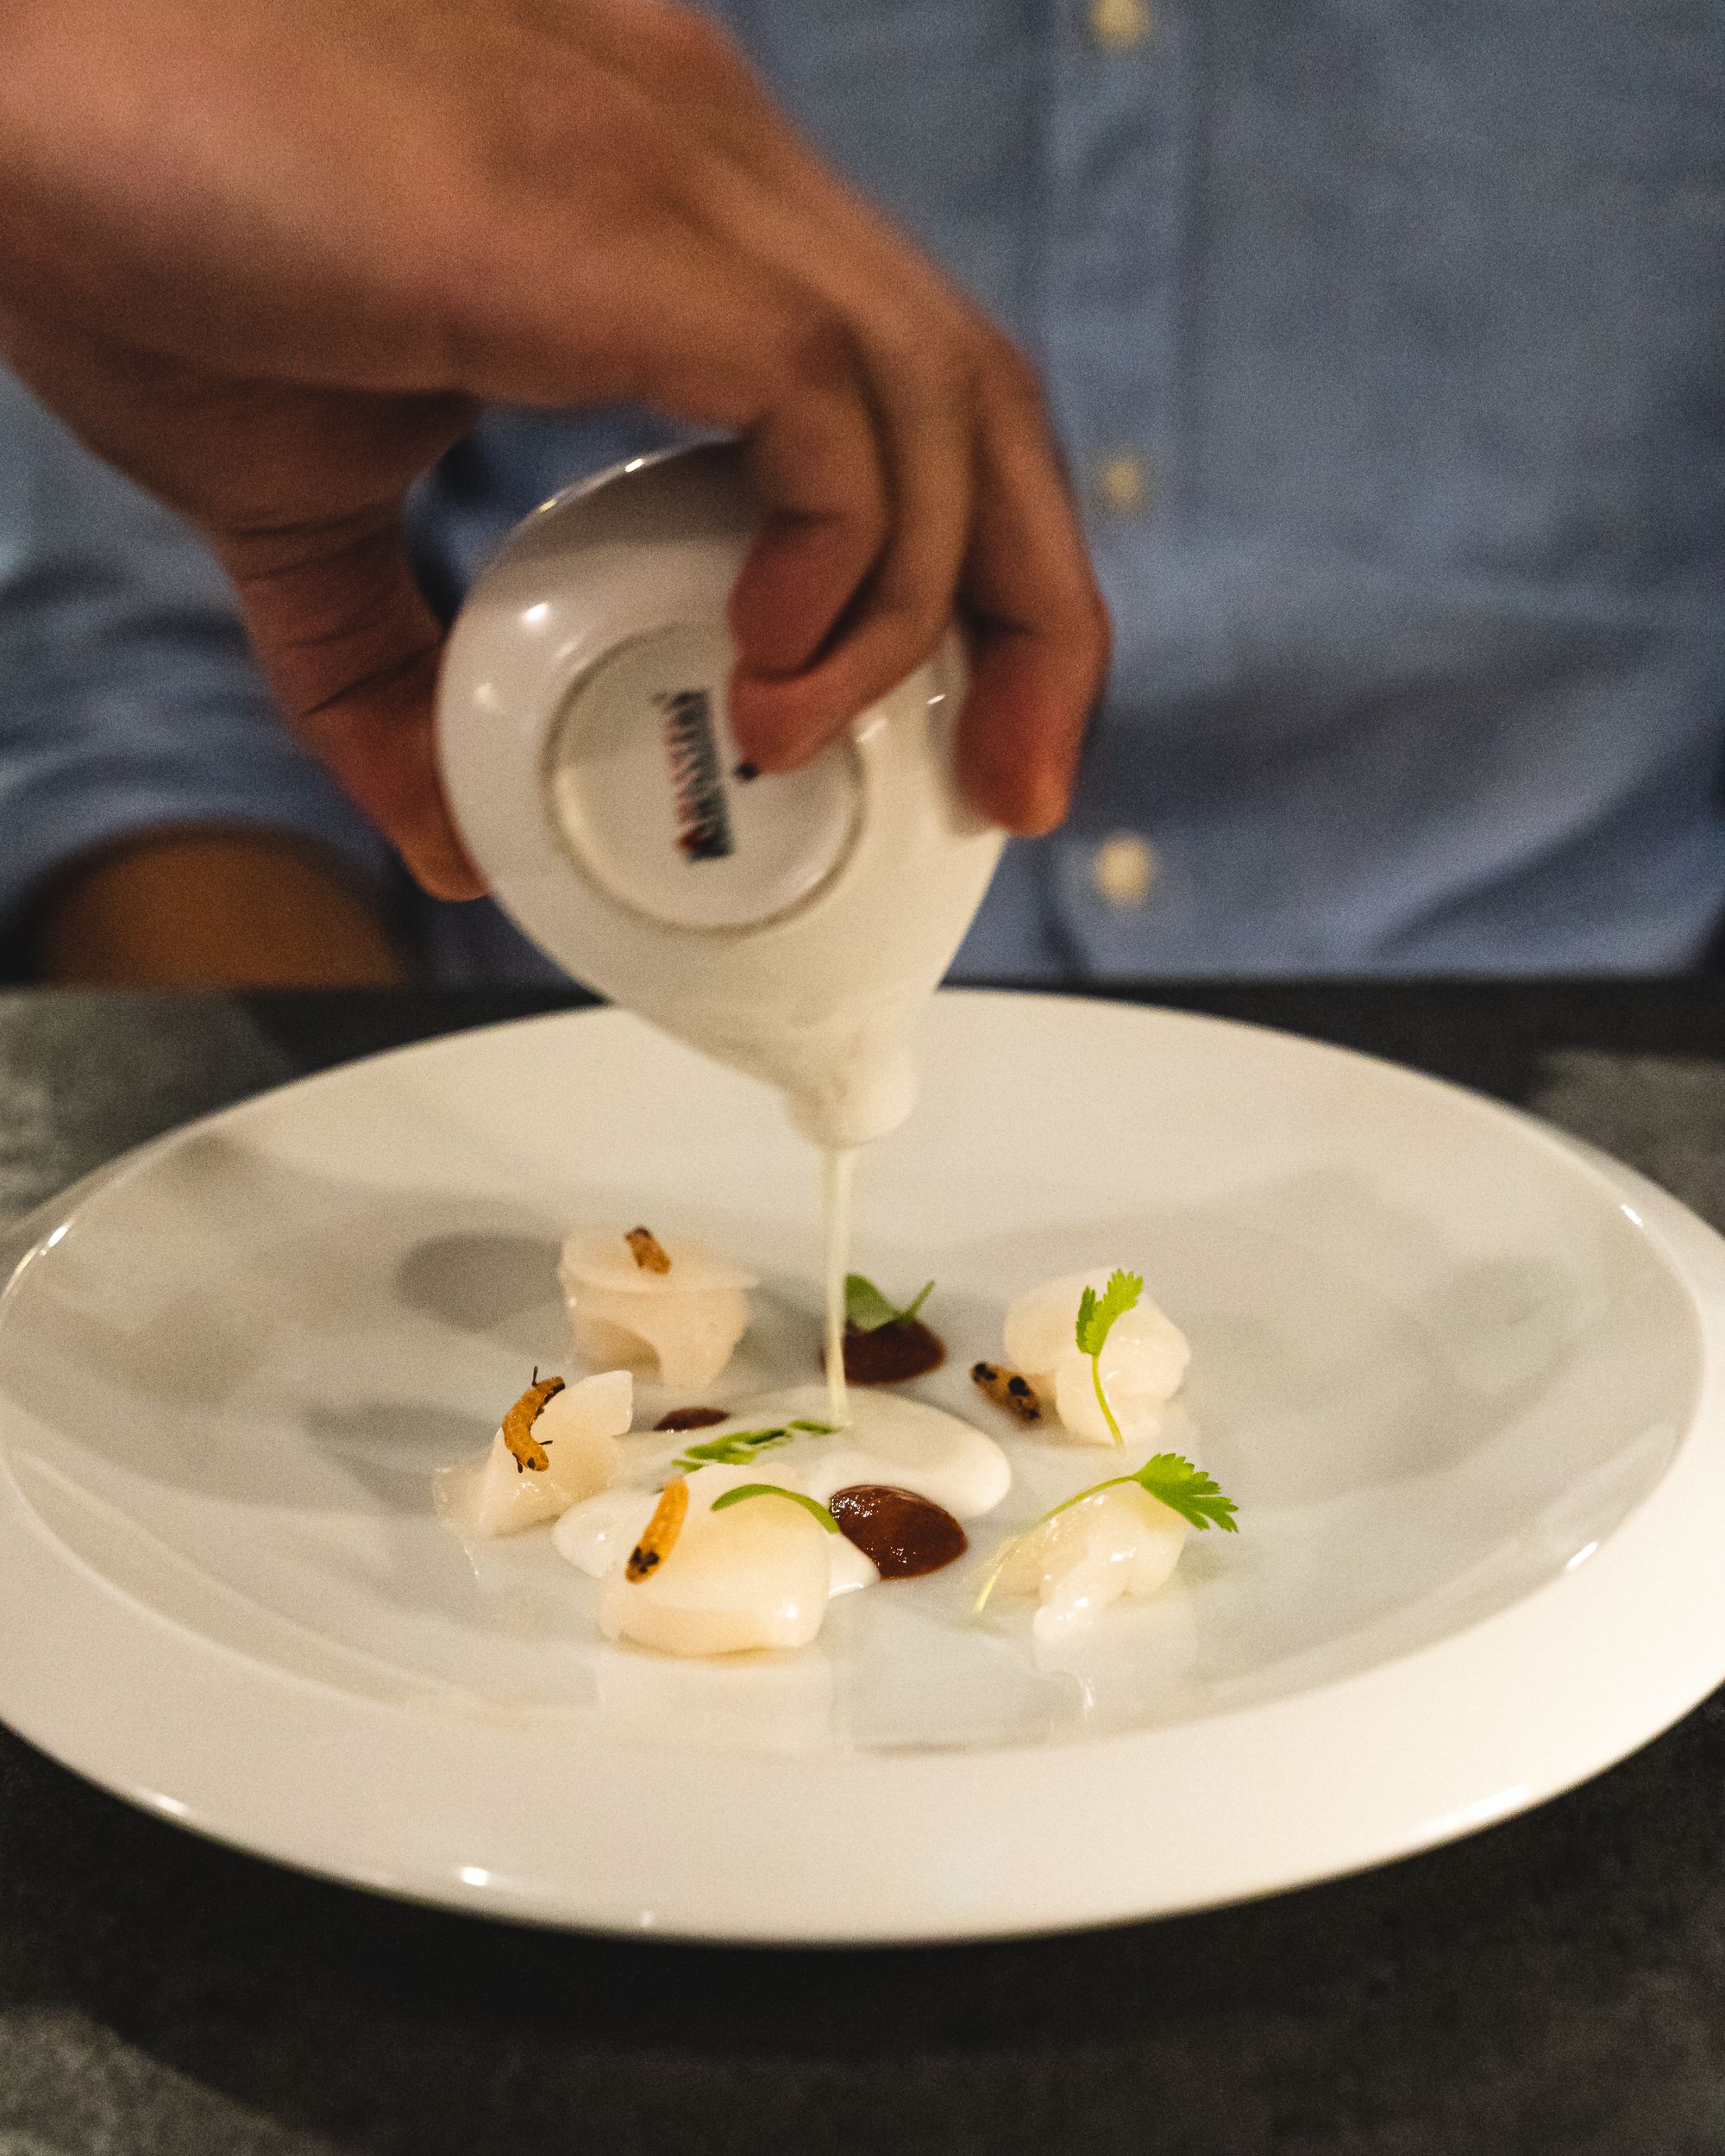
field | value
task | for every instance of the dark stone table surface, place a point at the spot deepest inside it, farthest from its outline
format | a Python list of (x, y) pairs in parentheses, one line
[(1557, 1984)]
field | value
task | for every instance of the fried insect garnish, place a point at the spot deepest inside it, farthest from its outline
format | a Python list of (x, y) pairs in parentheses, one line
[(1007, 1390), (517, 1424), (660, 1538), (650, 1254)]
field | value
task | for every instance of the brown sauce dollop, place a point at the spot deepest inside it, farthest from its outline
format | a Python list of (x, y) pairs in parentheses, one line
[(691, 1418), (892, 1353), (905, 1535)]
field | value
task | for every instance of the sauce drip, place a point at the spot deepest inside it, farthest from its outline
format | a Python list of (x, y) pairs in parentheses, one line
[(692, 1417), (839, 1175), (905, 1535), (891, 1353)]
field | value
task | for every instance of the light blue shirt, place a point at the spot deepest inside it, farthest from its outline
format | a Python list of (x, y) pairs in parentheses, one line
[(1387, 343)]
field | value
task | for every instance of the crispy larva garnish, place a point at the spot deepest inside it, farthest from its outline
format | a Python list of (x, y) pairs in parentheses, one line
[(573, 1428), (660, 1537), (650, 1254), (603, 1257), (517, 1424), (1008, 1388)]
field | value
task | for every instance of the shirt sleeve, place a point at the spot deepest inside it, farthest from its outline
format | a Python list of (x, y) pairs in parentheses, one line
[(129, 699)]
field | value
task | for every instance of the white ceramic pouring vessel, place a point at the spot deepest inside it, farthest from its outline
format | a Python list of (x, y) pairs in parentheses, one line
[(790, 926)]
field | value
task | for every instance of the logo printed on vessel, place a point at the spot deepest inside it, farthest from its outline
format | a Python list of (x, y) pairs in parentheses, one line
[(697, 781)]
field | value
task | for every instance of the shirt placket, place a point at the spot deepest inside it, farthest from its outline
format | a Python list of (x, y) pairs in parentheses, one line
[(1120, 148)]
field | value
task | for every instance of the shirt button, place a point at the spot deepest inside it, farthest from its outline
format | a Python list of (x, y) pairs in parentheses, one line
[(1123, 485), (1118, 25), (1123, 870)]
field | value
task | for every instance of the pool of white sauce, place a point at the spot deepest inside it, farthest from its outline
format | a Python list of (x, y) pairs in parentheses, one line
[(904, 1443)]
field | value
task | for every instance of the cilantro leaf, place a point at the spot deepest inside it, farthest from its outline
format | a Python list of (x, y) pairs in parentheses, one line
[(775, 1489), (868, 1309), (1096, 1317), (1096, 1314), (1187, 1490), (1183, 1488)]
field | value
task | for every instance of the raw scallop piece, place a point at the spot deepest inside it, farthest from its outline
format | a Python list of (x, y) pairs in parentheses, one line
[(688, 1318), (597, 1535), (1118, 1541), (579, 1428), (756, 1574), (1143, 1361)]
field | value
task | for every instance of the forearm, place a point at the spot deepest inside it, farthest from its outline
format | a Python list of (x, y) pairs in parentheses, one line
[(270, 259), (213, 909)]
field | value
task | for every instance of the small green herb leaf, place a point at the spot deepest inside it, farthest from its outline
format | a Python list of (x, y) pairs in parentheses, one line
[(865, 1306), (1096, 1314), (1187, 1490), (775, 1489), (910, 1309), (868, 1309), (1181, 1487), (1096, 1317), (740, 1448), (736, 1448)]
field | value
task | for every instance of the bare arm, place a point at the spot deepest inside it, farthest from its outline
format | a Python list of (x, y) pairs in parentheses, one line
[(209, 909)]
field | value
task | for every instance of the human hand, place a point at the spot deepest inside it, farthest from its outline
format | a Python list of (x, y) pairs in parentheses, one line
[(271, 257)]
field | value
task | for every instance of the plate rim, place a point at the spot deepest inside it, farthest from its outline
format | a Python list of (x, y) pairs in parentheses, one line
[(98, 1631)]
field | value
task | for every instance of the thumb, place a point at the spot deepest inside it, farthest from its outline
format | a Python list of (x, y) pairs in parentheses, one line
[(350, 649)]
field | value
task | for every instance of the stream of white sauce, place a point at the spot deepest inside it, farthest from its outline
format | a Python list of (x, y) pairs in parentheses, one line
[(839, 1177)]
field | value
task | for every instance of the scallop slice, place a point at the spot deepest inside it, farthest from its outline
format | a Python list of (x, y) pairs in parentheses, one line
[(600, 1531), (598, 1534), (1116, 1541), (687, 1318), (756, 1574), (1143, 1361), (579, 1428), (690, 1336), (604, 1257)]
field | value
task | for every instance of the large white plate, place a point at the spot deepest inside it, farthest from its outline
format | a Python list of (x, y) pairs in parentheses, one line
[(1462, 1378)]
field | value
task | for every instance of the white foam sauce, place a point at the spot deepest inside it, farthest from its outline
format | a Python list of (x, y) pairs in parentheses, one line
[(903, 1443)]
